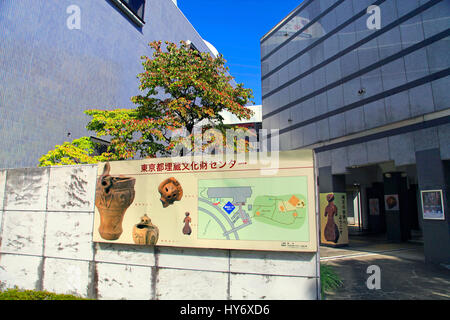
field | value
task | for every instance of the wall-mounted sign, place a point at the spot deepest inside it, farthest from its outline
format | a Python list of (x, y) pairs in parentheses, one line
[(209, 202), (333, 219), (374, 207), (391, 202), (432, 204)]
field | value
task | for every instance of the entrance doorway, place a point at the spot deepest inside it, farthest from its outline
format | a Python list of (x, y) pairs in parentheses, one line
[(367, 188), (354, 217)]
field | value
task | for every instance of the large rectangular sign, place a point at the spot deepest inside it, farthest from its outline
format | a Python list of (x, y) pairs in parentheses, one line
[(432, 204), (333, 219), (255, 203)]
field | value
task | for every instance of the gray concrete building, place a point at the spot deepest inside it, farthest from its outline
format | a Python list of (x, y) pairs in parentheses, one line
[(61, 57), (365, 83)]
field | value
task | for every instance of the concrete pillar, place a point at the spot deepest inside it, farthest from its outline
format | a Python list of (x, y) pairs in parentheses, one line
[(395, 187), (364, 211), (377, 222), (434, 174)]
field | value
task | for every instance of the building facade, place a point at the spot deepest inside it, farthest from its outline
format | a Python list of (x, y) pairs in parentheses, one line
[(365, 83), (61, 57)]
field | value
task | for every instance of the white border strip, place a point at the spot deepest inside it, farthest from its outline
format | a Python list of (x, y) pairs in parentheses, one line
[(363, 254)]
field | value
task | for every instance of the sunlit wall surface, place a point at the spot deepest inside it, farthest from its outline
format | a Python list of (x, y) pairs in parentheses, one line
[(56, 61), (327, 79)]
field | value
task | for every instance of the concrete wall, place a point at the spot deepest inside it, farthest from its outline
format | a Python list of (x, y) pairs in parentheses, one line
[(46, 223), (50, 74), (400, 148)]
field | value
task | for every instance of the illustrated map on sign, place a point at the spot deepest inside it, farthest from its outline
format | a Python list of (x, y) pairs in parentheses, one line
[(271, 209)]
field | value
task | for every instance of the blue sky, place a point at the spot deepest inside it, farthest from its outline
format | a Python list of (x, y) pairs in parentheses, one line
[(235, 28)]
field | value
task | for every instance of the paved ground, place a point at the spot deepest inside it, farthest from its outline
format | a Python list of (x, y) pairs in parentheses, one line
[(404, 273)]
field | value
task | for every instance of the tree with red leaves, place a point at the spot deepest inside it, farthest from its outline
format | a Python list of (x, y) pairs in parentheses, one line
[(181, 87)]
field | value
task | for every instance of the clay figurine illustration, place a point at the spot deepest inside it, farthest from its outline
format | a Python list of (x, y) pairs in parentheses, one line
[(187, 228), (331, 231), (145, 233), (171, 191), (113, 196)]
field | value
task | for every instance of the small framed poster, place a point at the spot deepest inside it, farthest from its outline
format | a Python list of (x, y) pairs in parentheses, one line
[(391, 202), (374, 207), (432, 204)]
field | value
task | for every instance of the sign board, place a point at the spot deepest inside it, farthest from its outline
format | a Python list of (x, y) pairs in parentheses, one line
[(333, 219), (374, 207), (432, 204), (391, 202), (209, 202)]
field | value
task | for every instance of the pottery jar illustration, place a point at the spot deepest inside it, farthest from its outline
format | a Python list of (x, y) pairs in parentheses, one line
[(113, 196), (145, 232), (171, 191), (391, 202)]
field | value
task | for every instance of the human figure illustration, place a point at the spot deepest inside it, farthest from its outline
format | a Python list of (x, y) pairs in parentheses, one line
[(331, 231), (187, 228)]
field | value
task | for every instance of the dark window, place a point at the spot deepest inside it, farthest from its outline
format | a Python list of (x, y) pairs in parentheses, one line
[(136, 6), (132, 8), (191, 45), (100, 146)]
